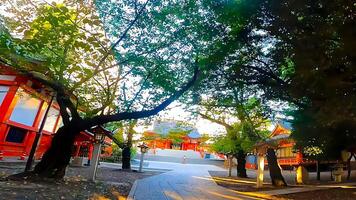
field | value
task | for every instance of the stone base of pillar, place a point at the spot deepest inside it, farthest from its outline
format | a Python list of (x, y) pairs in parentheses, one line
[(94, 162), (260, 171), (302, 175)]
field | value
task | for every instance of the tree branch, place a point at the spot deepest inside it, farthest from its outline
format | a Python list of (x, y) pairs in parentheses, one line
[(116, 141), (102, 119), (227, 126), (123, 35), (63, 109)]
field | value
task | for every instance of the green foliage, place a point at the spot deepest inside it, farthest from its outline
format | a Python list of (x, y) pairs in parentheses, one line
[(250, 53), (150, 137), (133, 153), (299, 52), (116, 155), (132, 57), (287, 69), (63, 42), (249, 128), (224, 145), (176, 136), (204, 138), (119, 135), (163, 45), (314, 47), (124, 133), (312, 151), (246, 135)]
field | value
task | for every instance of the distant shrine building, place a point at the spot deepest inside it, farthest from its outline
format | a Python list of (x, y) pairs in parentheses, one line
[(23, 103), (159, 137)]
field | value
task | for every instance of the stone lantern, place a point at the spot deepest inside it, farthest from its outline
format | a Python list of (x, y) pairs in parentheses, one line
[(143, 149)]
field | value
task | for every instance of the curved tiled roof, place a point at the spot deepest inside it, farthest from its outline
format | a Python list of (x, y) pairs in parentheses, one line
[(194, 134)]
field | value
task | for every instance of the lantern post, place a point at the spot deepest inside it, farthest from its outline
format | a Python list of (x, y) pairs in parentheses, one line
[(229, 158), (99, 139), (260, 151), (143, 149)]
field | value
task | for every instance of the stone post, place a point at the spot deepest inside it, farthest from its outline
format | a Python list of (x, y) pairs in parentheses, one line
[(94, 161), (260, 170), (141, 162), (338, 171), (230, 163), (302, 175)]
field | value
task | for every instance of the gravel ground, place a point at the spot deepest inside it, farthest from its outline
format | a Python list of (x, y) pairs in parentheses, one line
[(332, 194), (111, 184), (239, 184), (243, 185)]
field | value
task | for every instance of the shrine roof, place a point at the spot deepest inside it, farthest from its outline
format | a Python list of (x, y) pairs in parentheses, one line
[(277, 137), (281, 128), (281, 131), (286, 124), (194, 134)]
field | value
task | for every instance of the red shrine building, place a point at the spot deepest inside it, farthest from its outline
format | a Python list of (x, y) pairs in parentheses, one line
[(23, 103), (157, 138), (189, 142), (286, 153)]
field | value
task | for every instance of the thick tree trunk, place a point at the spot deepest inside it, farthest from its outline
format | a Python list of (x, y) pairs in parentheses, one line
[(241, 162), (126, 158), (126, 151), (349, 166), (318, 170), (57, 157), (274, 170)]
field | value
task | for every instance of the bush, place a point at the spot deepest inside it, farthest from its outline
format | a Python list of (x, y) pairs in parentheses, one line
[(115, 157), (133, 152)]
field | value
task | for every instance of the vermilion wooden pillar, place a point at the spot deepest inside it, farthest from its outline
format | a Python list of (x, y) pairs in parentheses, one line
[(77, 151), (7, 102), (90, 153), (31, 135), (5, 110), (166, 144)]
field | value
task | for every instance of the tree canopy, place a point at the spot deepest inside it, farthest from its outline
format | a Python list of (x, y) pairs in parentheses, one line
[(299, 53), (109, 61), (66, 47), (316, 39)]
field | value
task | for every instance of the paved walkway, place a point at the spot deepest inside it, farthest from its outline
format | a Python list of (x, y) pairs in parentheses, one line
[(193, 182), (186, 181)]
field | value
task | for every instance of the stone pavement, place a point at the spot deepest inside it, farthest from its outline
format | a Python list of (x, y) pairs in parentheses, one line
[(193, 182), (185, 181)]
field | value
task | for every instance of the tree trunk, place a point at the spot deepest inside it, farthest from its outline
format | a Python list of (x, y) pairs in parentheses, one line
[(241, 162), (349, 166), (126, 158), (274, 170), (318, 170), (57, 157), (126, 151)]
